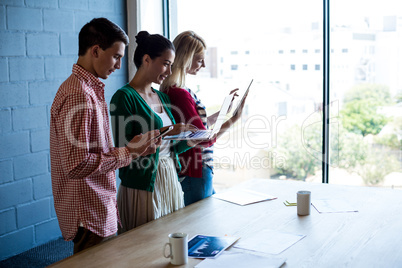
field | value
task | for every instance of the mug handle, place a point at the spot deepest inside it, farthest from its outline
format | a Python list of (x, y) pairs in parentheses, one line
[(170, 250)]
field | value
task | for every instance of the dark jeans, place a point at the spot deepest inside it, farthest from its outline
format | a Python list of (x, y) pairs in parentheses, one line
[(85, 239), (196, 189)]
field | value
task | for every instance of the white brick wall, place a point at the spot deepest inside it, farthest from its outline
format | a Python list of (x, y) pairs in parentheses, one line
[(38, 46)]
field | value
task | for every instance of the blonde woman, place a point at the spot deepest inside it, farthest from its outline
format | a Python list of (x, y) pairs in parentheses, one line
[(197, 172)]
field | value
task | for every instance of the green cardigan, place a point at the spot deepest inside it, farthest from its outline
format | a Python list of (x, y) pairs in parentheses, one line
[(131, 116)]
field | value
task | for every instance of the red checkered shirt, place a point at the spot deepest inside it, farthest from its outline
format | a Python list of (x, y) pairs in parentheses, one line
[(83, 158)]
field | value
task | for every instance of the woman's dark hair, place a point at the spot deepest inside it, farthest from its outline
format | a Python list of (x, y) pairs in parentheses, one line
[(102, 32), (151, 44)]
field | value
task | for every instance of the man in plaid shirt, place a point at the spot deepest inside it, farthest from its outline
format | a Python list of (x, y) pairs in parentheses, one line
[(83, 157)]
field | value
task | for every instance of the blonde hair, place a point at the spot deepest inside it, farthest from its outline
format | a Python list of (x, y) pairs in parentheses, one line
[(187, 44)]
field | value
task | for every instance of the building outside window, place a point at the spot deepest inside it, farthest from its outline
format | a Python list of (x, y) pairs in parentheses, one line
[(280, 135)]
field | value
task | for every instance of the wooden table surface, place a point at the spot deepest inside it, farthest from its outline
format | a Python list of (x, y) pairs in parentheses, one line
[(371, 237)]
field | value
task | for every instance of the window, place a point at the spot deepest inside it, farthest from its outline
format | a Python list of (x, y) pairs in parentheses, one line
[(282, 124), (142, 15), (390, 23), (282, 108), (278, 103), (367, 110)]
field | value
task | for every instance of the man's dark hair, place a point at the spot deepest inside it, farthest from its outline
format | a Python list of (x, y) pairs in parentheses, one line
[(102, 32)]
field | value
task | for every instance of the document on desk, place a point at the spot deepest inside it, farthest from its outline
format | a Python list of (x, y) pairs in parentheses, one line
[(243, 196), (202, 246), (332, 206), (242, 259), (269, 241)]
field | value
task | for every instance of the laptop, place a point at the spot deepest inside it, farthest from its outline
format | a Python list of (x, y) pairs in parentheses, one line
[(209, 133)]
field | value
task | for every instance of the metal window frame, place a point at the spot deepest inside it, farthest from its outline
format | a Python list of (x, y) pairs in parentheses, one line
[(326, 101)]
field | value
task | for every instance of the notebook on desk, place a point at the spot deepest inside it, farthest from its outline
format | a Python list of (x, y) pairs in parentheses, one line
[(209, 133)]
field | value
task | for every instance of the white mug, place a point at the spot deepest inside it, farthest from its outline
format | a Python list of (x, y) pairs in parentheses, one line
[(303, 203), (178, 248)]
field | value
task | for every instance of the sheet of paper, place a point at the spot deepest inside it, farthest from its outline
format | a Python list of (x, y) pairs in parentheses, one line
[(332, 205), (243, 196), (269, 241), (241, 259)]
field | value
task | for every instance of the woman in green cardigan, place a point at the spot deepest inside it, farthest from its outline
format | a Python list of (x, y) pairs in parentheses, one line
[(149, 186)]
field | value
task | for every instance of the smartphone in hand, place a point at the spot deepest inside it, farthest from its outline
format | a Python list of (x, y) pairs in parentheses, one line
[(164, 132)]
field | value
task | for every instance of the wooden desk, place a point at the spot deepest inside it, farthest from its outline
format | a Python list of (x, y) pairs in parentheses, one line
[(371, 237)]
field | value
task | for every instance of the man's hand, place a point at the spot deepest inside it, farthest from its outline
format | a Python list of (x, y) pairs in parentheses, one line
[(144, 144)]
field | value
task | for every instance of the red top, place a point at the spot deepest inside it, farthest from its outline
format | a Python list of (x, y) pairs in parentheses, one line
[(83, 159), (184, 110)]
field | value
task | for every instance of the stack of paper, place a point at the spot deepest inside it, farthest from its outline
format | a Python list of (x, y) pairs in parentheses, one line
[(243, 196), (332, 205), (240, 259), (269, 241)]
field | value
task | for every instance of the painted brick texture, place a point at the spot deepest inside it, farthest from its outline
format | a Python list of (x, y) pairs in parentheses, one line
[(38, 46)]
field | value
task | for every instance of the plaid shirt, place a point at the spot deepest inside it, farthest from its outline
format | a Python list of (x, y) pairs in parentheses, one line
[(83, 158)]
